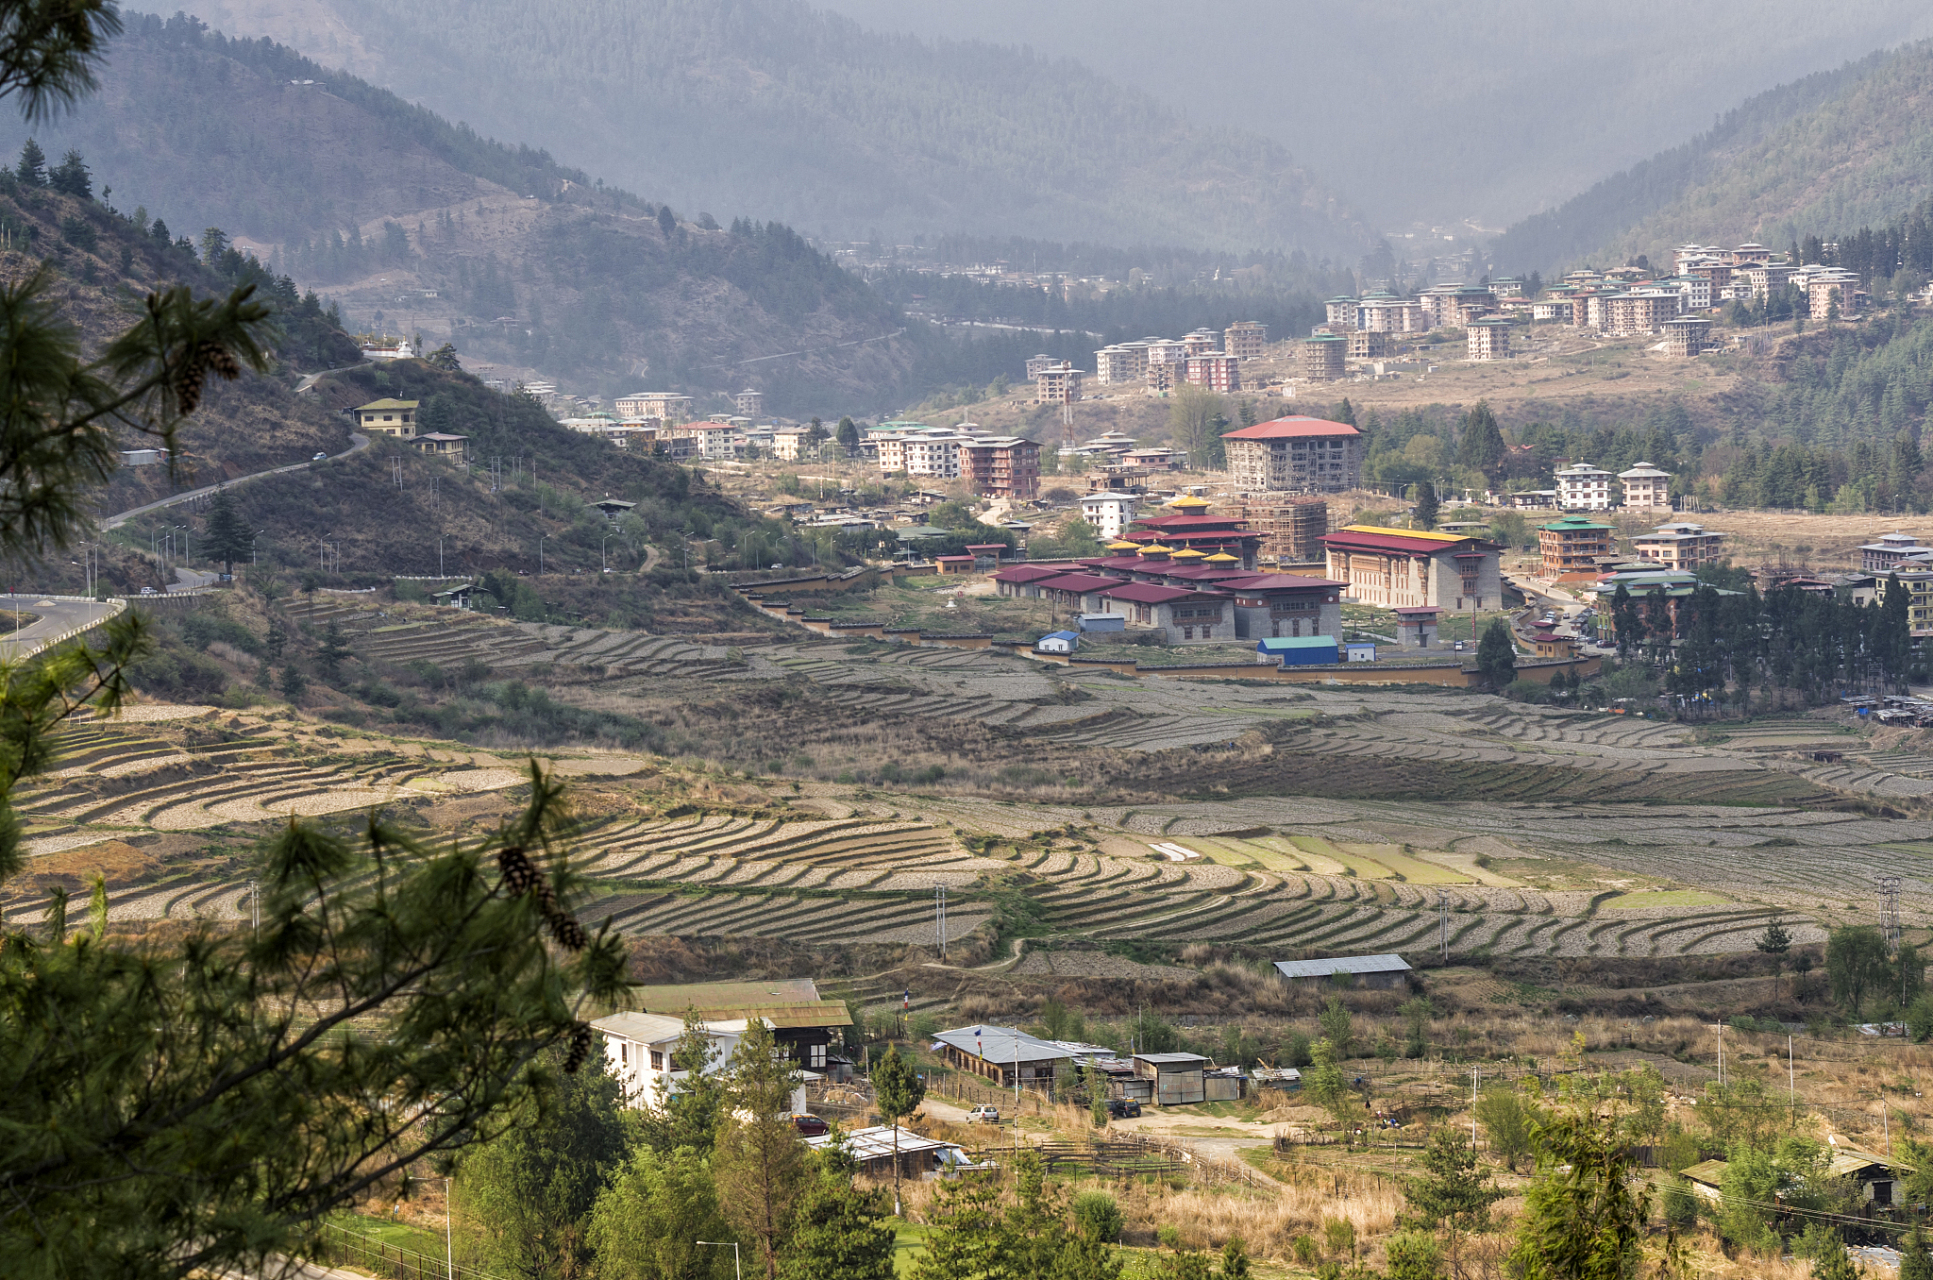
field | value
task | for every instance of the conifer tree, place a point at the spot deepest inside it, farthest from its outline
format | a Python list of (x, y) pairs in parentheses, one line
[(32, 167), (227, 537), (71, 177)]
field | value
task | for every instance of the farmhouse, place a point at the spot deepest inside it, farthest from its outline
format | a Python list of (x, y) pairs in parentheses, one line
[(805, 1025), (1404, 568), (1384, 971), (639, 1048), (1002, 1055)]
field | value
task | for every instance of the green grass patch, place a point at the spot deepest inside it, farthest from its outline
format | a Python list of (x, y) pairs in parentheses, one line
[(909, 1242), (1323, 858), (396, 1235), (1664, 898)]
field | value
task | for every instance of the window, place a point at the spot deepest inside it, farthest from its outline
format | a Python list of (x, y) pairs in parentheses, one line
[(1187, 633), (816, 1057), (657, 1060)]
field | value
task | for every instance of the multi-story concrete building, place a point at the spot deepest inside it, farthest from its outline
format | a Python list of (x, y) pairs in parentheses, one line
[(1680, 545), (1751, 253), (1574, 545), (1323, 356), (1037, 364), (1058, 384), (1294, 455), (1368, 344), (665, 405), (1829, 291), (1382, 313), (1488, 338), (1291, 527), (1687, 336), (1245, 339), (750, 403), (1199, 342), (1643, 311), (1456, 305), (933, 455), (713, 441), (1583, 487), (1766, 278), (386, 418), (1341, 314), (1122, 363), (1001, 466), (1894, 551), (1110, 514), (1645, 488), (1408, 568), (1216, 371)]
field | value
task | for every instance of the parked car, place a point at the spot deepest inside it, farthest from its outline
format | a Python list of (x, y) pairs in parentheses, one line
[(985, 1113), (809, 1126), (1123, 1108)]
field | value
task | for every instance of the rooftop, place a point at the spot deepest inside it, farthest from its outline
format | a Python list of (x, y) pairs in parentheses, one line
[(1341, 964), (386, 404), (1000, 1044), (1294, 427)]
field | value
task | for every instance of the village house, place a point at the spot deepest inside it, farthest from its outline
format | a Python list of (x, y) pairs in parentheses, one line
[(1004, 1055), (386, 417), (1383, 972), (1397, 568), (805, 1025), (639, 1051), (441, 444)]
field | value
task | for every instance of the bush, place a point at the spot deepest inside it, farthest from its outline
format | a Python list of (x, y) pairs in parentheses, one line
[(1295, 1050), (1680, 1205), (1414, 1255), (1098, 1216), (1919, 1019)]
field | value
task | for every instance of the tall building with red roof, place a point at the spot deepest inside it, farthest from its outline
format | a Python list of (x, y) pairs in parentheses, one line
[(1294, 455), (1408, 568)]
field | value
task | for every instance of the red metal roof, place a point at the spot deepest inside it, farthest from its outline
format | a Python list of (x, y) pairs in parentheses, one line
[(1277, 582), (1082, 582), (1123, 564), (1029, 573), (1148, 593), (1295, 426), (1165, 523), (1391, 542)]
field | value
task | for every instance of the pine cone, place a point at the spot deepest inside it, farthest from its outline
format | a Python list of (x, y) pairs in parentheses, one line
[(580, 1049), (569, 934), (217, 357), (188, 389), (520, 874)]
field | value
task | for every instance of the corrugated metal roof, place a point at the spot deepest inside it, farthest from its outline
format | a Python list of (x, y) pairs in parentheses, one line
[(1171, 1059), (876, 1142), (997, 1044), (1296, 427), (1341, 964)]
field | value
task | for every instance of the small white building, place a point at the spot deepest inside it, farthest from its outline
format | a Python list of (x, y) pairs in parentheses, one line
[(1058, 642), (1109, 513), (1583, 487), (638, 1049)]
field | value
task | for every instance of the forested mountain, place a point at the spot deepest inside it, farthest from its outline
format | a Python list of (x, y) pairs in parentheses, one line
[(1831, 152), (770, 108), (417, 225)]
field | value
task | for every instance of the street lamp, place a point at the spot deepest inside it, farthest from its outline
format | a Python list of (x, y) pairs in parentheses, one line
[(733, 1246), (449, 1246), (541, 538), (603, 563)]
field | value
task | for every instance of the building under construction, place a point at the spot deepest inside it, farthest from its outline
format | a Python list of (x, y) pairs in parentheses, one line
[(1291, 527)]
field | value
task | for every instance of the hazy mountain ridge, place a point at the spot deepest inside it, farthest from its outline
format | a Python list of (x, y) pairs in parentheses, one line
[(770, 108), (1826, 155), (596, 289)]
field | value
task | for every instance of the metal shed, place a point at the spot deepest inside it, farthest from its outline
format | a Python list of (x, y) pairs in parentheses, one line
[(1362, 971), (1177, 1077)]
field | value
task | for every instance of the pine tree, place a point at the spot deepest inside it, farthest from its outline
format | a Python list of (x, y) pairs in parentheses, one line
[(71, 177), (1480, 446), (227, 537), (1496, 655), (330, 653), (758, 1160), (1915, 1262), (293, 686), (1584, 1218), (837, 1229), (1427, 506), (1454, 1192), (898, 1091), (32, 168)]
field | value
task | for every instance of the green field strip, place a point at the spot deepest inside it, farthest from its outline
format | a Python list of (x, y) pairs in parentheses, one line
[(1292, 858), (1556, 939), (1323, 858), (1535, 935)]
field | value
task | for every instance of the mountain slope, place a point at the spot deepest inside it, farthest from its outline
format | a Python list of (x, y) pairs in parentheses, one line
[(767, 107), (1829, 153), (417, 225)]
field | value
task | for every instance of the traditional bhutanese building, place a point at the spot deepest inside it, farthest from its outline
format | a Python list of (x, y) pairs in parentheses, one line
[(1192, 529), (1408, 568)]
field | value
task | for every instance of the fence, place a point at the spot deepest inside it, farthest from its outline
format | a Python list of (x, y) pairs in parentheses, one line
[(341, 1246)]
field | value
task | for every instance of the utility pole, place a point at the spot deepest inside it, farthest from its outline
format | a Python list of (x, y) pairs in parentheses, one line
[(939, 915), (1443, 920), (449, 1240), (1889, 911), (540, 553)]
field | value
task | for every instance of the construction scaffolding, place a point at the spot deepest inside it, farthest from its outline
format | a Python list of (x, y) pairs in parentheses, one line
[(1291, 526)]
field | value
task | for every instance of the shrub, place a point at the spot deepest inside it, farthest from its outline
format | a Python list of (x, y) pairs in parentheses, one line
[(1414, 1255), (1339, 1234), (1680, 1206), (1295, 1050), (1098, 1216)]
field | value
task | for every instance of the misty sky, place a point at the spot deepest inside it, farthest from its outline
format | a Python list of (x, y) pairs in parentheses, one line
[(1437, 112)]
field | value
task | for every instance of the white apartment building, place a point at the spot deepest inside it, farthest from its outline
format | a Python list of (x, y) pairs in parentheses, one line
[(1109, 513), (638, 1049), (1122, 363), (1385, 314), (1583, 487), (1058, 384), (1646, 488), (1245, 339), (714, 441), (933, 452), (654, 404)]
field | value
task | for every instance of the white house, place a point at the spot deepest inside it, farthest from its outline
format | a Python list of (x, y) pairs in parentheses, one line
[(1058, 642), (1583, 487), (1646, 488), (638, 1050), (1109, 513)]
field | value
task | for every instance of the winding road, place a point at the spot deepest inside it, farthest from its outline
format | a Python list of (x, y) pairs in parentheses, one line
[(54, 620), (357, 443)]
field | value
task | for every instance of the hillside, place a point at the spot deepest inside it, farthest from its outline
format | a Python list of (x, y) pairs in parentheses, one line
[(769, 108), (1829, 153), (417, 225)]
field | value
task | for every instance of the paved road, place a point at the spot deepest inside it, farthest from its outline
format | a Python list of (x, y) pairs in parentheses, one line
[(357, 443), (52, 618)]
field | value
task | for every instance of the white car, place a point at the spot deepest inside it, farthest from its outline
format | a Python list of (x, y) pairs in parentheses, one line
[(985, 1113), (320, 457)]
